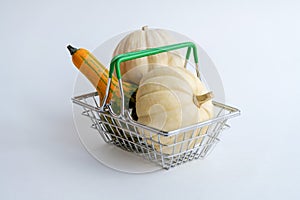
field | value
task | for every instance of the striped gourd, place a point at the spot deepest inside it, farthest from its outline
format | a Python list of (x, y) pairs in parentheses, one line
[(97, 74)]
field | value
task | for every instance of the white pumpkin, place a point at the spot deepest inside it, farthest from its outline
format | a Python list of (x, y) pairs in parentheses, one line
[(145, 39), (167, 99)]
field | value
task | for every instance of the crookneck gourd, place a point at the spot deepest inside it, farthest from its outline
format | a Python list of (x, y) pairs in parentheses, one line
[(170, 98), (97, 74), (144, 39)]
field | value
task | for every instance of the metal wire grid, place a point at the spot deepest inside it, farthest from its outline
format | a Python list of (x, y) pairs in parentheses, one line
[(186, 144)]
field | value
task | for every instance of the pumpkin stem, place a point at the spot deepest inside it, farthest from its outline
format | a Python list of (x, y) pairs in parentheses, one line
[(201, 99), (144, 28)]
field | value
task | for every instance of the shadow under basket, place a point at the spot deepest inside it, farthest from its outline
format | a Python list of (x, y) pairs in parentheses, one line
[(167, 149)]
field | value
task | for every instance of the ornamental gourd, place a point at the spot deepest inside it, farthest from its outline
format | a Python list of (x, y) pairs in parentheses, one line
[(170, 98), (144, 39), (97, 74)]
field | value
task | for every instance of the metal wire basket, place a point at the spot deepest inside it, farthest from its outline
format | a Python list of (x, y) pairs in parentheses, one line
[(184, 144)]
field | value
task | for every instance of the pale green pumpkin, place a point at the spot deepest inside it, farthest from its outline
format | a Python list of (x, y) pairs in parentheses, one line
[(170, 98), (145, 39)]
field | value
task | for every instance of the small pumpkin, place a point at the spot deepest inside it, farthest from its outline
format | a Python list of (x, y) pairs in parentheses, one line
[(170, 98), (144, 39)]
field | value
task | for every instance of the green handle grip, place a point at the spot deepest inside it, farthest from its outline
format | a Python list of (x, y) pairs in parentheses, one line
[(117, 60)]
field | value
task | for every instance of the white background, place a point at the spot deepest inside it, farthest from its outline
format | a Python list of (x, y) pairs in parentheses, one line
[(255, 46)]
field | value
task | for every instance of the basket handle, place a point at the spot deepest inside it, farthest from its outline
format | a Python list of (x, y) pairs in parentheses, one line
[(117, 60)]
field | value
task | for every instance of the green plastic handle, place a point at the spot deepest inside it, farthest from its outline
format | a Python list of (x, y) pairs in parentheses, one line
[(117, 60)]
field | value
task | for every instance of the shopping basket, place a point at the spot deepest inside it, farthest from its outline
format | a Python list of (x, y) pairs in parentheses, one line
[(121, 130)]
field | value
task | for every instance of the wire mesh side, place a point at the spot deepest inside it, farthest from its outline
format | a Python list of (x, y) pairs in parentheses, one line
[(166, 151)]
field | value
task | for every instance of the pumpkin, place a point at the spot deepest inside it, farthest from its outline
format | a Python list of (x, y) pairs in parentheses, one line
[(170, 98), (144, 39)]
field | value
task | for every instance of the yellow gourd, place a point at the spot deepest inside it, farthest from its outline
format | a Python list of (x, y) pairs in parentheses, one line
[(170, 98), (97, 74), (144, 39)]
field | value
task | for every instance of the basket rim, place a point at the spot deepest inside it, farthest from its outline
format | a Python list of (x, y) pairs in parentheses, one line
[(234, 112)]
